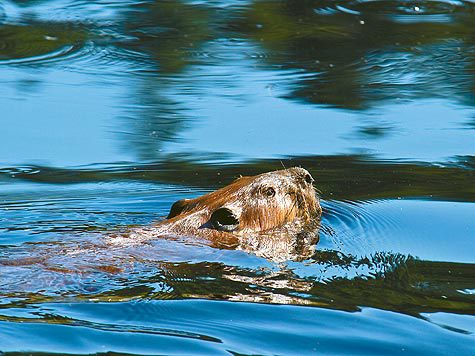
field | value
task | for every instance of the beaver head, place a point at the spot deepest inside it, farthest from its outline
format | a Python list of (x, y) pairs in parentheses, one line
[(250, 205)]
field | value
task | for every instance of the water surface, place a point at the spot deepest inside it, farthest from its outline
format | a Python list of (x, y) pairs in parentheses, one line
[(113, 110)]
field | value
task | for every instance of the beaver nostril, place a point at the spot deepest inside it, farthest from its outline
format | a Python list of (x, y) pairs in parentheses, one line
[(309, 179)]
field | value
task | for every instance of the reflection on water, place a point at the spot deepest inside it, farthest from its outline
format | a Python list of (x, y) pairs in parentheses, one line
[(113, 110), (171, 73), (22, 45), (86, 264), (363, 260), (362, 52)]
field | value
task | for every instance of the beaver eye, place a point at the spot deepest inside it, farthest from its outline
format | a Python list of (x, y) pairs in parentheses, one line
[(269, 192), (308, 179)]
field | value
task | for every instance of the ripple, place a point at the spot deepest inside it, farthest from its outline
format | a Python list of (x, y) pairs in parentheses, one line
[(73, 48), (94, 58), (37, 43), (66, 10), (41, 58), (353, 228), (42, 317), (405, 11)]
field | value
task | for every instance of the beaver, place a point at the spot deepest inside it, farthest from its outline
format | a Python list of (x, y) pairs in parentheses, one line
[(274, 214)]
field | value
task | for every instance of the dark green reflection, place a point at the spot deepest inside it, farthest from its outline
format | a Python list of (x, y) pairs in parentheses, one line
[(352, 55), (398, 283), (168, 32), (384, 281), (38, 41), (346, 177), (362, 53)]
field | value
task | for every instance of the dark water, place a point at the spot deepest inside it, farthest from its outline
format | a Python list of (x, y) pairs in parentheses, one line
[(113, 110)]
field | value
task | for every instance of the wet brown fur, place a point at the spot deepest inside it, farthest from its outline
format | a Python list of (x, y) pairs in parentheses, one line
[(292, 206)]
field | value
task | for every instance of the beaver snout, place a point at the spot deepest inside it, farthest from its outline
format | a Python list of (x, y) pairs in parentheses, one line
[(302, 175)]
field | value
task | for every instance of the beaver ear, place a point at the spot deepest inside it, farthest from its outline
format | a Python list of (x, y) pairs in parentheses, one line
[(177, 208), (223, 219)]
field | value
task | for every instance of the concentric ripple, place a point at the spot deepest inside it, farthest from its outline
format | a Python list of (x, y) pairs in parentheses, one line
[(351, 227), (25, 44), (405, 11), (76, 49)]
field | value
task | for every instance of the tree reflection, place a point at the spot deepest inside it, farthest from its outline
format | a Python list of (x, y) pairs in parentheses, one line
[(354, 60), (362, 53), (345, 177), (168, 33), (330, 279), (385, 281), (37, 42), (356, 55)]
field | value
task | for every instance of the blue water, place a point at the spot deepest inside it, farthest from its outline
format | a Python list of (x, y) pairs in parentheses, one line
[(287, 330), (113, 110)]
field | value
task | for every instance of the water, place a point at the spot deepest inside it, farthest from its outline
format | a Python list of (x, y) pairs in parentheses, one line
[(113, 110)]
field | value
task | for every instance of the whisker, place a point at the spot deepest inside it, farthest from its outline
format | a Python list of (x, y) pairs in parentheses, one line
[(317, 190)]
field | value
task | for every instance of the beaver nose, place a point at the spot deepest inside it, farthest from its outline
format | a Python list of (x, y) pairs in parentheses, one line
[(309, 179), (302, 174)]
